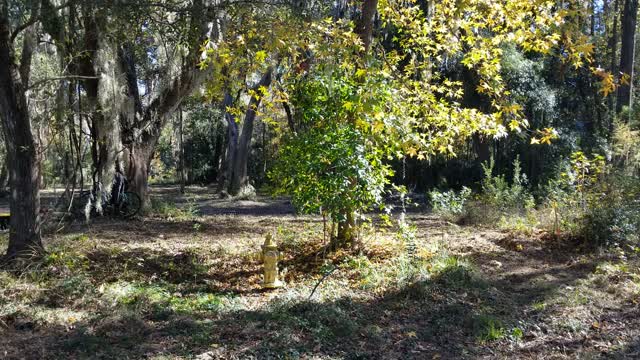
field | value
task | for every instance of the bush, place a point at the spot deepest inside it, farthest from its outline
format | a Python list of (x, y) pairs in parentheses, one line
[(450, 204), (508, 203), (502, 195), (329, 169), (614, 218), (595, 201)]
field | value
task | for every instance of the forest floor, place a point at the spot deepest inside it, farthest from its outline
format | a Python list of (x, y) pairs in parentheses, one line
[(184, 282)]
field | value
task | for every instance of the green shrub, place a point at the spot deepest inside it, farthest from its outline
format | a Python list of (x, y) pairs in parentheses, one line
[(503, 202), (488, 328), (505, 196), (595, 201), (449, 204), (614, 219), (329, 169)]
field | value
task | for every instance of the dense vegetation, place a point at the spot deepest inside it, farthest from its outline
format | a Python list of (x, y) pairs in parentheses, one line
[(497, 117)]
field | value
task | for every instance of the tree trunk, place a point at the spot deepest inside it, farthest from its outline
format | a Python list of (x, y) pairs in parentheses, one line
[(140, 125), (139, 164), (627, 52), (181, 135), (613, 45), (347, 231), (239, 178), (226, 166), (4, 177), (365, 24), (22, 159), (218, 149), (482, 148)]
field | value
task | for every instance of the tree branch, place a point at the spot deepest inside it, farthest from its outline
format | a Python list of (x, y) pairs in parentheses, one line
[(34, 19), (58, 78)]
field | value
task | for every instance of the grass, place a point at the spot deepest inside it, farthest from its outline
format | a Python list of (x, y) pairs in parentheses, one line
[(172, 212), (488, 328)]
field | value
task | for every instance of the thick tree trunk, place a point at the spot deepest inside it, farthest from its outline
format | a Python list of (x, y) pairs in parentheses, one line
[(4, 177), (627, 52), (239, 178), (139, 165), (22, 159), (226, 165), (140, 125)]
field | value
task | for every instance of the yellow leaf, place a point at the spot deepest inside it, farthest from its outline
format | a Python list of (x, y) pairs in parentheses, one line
[(261, 56), (378, 126), (412, 151), (203, 64)]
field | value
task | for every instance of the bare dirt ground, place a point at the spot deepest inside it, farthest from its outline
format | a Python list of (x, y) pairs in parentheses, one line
[(184, 282)]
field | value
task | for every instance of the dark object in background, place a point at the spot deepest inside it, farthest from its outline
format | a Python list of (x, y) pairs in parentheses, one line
[(4, 221), (4, 193)]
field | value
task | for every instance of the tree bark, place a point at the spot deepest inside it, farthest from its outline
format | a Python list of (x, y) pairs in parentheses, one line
[(218, 148), (226, 166), (365, 23), (627, 52), (239, 178), (139, 163), (346, 231), (22, 159), (4, 178), (181, 135), (613, 45)]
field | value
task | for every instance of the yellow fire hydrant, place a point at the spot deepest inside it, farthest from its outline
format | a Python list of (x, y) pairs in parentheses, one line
[(270, 259)]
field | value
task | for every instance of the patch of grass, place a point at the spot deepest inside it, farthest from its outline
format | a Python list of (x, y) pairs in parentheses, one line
[(539, 306), (162, 299), (576, 297), (572, 325), (452, 271), (328, 322), (487, 328), (66, 261), (521, 225), (171, 211), (516, 334), (75, 289)]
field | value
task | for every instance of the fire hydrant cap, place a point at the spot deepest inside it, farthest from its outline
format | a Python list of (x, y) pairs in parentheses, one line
[(269, 244)]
